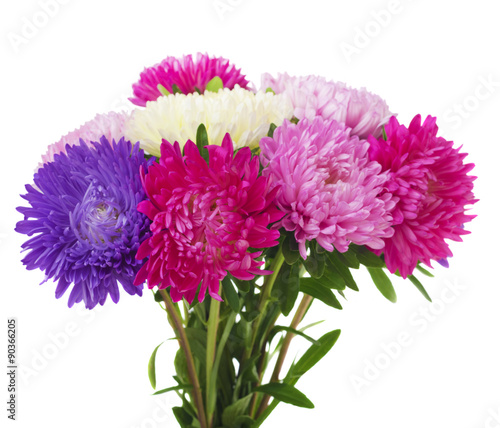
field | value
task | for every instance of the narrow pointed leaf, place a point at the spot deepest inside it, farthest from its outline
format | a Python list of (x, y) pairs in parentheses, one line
[(383, 283), (315, 353), (152, 367), (286, 287), (420, 287), (318, 291), (336, 265), (290, 254), (230, 294), (425, 271), (279, 328), (162, 89), (174, 388), (366, 257), (235, 410), (286, 393)]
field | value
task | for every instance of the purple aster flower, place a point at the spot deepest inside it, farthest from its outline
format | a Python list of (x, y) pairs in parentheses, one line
[(188, 74), (313, 96), (83, 220), (328, 188)]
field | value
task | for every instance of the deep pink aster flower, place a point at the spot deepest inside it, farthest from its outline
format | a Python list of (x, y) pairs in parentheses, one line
[(207, 220), (430, 179), (187, 74), (326, 185), (313, 96), (110, 125)]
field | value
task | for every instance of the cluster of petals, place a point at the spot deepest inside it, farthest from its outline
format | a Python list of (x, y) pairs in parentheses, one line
[(83, 222), (207, 219), (313, 96), (188, 74), (429, 178), (327, 187), (245, 115), (110, 125)]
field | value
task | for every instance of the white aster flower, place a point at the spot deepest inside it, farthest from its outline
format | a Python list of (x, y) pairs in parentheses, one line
[(244, 114)]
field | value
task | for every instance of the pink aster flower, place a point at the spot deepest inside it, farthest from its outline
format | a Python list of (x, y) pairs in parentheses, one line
[(312, 96), (327, 187), (207, 220), (110, 125), (430, 179), (187, 74)]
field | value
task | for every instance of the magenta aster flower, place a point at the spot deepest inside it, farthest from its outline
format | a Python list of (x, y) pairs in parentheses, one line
[(326, 185), (110, 125), (312, 96), (430, 179), (207, 220), (187, 74)]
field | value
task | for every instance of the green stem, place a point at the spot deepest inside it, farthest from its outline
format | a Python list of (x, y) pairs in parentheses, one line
[(184, 343), (213, 323), (264, 299), (299, 315)]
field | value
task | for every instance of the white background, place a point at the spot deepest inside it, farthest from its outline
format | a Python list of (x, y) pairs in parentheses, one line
[(430, 57)]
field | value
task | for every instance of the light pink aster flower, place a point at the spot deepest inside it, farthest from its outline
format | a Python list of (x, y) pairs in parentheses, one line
[(188, 74), (327, 187), (312, 96), (110, 125), (207, 220), (430, 179)]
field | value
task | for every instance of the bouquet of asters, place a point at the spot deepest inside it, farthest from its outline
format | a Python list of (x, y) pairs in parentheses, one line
[(239, 207)]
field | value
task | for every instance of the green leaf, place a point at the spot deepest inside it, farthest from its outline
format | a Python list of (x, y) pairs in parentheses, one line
[(183, 417), (175, 89), (162, 89), (315, 262), (174, 388), (158, 297), (230, 294), (318, 291), (315, 353), (152, 367), (244, 421), (272, 127), (238, 408), (425, 271), (270, 90), (286, 393), (202, 141), (286, 287), (215, 84), (331, 279), (349, 259), (383, 283), (180, 365), (366, 257), (279, 328), (290, 249), (341, 269), (420, 287), (384, 134)]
